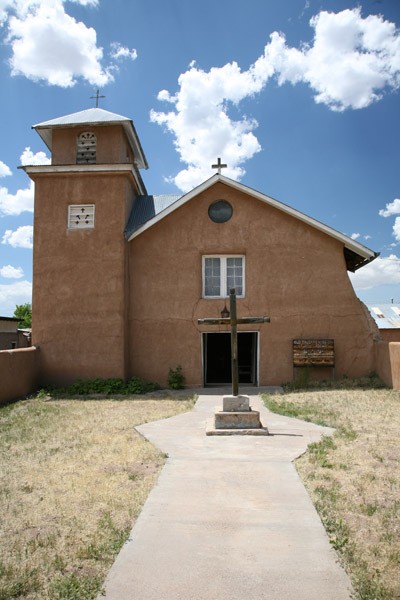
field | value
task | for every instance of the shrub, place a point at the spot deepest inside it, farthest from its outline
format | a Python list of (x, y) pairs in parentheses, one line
[(176, 378), (109, 386), (303, 382)]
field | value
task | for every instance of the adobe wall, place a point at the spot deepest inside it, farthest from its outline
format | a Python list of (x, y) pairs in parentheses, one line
[(382, 363), (294, 274), (390, 335), (18, 373), (8, 325), (7, 340), (112, 146), (78, 305), (394, 353)]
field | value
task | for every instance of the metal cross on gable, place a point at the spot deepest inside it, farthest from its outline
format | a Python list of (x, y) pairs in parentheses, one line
[(96, 97), (233, 321), (219, 166)]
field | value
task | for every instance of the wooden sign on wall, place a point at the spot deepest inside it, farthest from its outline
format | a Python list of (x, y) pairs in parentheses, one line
[(313, 353)]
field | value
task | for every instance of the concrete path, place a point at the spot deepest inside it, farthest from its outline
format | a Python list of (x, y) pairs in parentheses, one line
[(228, 519)]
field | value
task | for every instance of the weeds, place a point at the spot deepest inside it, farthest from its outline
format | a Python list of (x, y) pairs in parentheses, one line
[(67, 497), (304, 382), (109, 387), (176, 379), (303, 411), (353, 478), (319, 452), (73, 586)]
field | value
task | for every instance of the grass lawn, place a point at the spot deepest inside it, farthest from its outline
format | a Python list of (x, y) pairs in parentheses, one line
[(74, 476), (354, 480)]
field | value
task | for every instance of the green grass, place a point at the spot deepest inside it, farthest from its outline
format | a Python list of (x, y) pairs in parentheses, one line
[(305, 412)]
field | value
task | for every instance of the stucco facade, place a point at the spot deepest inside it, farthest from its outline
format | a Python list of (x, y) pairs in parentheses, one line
[(107, 304), (294, 274)]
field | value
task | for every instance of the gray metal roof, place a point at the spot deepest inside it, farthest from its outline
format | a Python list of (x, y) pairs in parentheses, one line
[(94, 116), (145, 208), (90, 115), (387, 316)]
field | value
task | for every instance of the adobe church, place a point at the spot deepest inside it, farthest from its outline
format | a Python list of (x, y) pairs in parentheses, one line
[(121, 277)]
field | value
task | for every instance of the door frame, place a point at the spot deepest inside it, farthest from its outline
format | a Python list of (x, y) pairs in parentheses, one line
[(257, 356)]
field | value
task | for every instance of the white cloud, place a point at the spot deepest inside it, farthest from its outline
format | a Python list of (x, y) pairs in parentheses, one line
[(20, 238), (4, 6), (118, 52), (367, 237), (10, 272), (12, 294), (5, 171), (49, 45), (29, 158), (392, 208), (22, 200), (380, 271), (15, 204), (201, 108), (396, 229), (350, 63), (355, 236), (86, 2)]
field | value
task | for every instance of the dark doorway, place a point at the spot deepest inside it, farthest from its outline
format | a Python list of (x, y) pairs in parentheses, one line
[(217, 358)]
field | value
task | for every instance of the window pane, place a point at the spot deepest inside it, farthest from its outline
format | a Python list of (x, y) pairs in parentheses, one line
[(212, 277), (234, 275)]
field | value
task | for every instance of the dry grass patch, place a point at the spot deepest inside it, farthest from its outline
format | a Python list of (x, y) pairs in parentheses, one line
[(74, 477), (354, 480)]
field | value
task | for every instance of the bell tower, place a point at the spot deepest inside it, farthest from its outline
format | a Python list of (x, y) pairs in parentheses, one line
[(80, 256)]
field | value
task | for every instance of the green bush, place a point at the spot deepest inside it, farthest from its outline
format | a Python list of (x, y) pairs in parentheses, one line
[(176, 378), (110, 386), (303, 382)]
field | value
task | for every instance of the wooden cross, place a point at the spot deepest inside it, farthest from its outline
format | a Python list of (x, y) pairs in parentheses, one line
[(233, 321), (219, 166), (97, 96)]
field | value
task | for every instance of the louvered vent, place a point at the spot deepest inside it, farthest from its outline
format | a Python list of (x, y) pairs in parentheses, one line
[(80, 216), (86, 148)]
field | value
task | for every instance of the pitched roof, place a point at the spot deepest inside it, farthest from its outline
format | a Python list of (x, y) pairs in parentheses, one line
[(356, 254), (387, 316), (94, 116), (146, 208)]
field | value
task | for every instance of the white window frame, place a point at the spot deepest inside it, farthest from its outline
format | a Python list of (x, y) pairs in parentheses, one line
[(73, 208), (224, 292)]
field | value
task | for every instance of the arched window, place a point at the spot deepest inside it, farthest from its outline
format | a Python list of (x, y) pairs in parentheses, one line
[(86, 148)]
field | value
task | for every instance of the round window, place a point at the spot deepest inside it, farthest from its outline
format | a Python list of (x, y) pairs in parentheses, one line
[(220, 211)]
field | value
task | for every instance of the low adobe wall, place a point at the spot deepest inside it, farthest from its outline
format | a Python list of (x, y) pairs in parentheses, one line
[(387, 361), (394, 354), (19, 371)]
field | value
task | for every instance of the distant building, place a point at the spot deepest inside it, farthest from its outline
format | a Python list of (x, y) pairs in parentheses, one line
[(387, 318), (121, 277), (10, 336)]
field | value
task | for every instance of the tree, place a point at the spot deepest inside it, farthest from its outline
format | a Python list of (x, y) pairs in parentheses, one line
[(23, 312)]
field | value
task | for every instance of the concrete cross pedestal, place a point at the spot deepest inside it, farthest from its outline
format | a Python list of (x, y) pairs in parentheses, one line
[(236, 418)]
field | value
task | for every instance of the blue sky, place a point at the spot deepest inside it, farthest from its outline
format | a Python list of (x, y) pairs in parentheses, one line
[(300, 98)]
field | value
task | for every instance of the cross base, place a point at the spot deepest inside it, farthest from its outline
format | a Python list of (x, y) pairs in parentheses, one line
[(236, 418)]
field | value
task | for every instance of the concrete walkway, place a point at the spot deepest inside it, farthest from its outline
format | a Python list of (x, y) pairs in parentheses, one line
[(228, 519)]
